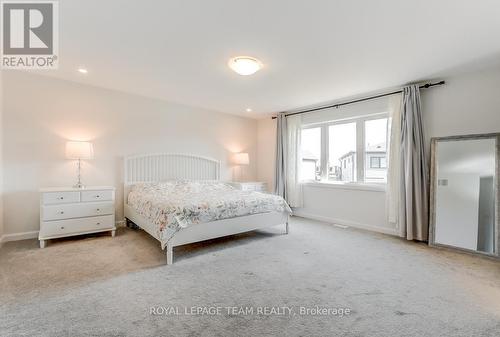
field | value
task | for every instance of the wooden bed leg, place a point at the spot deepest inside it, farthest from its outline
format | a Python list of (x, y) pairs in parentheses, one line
[(170, 254), (287, 228)]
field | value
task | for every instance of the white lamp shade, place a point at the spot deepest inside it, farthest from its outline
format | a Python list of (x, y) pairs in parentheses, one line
[(79, 150), (241, 158)]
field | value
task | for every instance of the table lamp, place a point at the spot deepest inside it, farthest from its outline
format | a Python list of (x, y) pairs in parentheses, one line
[(77, 151), (241, 159)]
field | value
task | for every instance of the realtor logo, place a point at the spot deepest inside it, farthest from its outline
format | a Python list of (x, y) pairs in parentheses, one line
[(29, 34)]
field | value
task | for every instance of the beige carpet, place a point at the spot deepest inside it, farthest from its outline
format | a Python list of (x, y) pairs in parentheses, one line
[(103, 286)]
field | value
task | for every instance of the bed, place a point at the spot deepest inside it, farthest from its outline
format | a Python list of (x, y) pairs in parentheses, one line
[(179, 199)]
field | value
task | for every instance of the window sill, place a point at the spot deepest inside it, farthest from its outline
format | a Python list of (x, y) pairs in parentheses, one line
[(347, 186)]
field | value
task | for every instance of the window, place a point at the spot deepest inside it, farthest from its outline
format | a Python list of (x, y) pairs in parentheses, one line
[(342, 151), (375, 162), (311, 154), (378, 162), (347, 151), (375, 150)]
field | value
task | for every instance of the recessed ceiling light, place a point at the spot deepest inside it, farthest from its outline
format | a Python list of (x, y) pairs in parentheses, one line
[(245, 65), (82, 71), (248, 110)]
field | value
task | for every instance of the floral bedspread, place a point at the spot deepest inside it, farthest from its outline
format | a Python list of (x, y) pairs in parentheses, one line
[(174, 205)]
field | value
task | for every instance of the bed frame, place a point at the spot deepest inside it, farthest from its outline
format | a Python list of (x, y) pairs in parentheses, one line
[(167, 166)]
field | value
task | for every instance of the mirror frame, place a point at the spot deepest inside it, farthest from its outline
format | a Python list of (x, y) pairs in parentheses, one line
[(433, 189)]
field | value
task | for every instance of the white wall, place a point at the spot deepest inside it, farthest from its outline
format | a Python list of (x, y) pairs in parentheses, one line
[(266, 150), (346, 206), (41, 113), (1, 157), (468, 103)]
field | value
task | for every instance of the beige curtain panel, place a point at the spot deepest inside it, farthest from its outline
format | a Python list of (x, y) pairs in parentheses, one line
[(414, 181)]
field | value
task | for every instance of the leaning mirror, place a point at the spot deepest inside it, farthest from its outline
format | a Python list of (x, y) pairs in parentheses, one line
[(464, 193)]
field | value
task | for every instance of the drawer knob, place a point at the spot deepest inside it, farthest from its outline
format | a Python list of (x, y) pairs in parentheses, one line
[(97, 196), (61, 198), (98, 223), (61, 212), (62, 227), (98, 210)]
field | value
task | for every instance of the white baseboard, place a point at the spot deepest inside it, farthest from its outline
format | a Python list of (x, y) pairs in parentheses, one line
[(34, 234), (19, 236), (384, 230)]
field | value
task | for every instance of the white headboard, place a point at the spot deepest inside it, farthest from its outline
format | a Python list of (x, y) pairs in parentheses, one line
[(167, 166)]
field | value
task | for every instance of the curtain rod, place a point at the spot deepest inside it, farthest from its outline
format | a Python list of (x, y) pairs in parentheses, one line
[(425, 86)]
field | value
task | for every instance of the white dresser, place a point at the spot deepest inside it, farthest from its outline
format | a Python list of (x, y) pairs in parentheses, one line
[(75, 211), (250, 186)]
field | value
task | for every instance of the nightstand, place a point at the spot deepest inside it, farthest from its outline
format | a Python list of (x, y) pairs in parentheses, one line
[(250, 186), (75, 211)]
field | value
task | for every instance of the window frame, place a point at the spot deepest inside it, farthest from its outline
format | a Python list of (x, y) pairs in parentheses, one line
[(360, 150)]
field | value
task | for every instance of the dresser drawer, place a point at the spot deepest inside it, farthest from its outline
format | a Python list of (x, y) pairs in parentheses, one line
[(50, 198), (68, 211), (75, 226), (105, 195)]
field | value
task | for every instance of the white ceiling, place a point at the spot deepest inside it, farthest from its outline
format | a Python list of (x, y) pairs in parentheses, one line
[(313, 51)]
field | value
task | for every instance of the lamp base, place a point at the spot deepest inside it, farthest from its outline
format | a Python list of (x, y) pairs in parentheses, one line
[(79, 183)]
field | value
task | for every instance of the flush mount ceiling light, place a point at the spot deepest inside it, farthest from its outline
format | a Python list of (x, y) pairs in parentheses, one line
[(82, 71), (248, 110), (245, 65)]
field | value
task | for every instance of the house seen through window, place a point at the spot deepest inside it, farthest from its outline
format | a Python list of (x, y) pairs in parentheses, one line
[(342, 152), (376, 150), (350, 151)]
